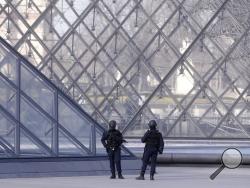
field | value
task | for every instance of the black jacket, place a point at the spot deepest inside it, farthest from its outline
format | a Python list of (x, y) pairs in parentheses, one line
[(153, 139), (112, 143)]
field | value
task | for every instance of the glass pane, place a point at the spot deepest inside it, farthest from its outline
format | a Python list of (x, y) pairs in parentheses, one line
[(100, 150), (39, 91), (74, 122), (67, 147), (28, 148), (124, 153), (8, 64), (2, 153), (36, 122), (7, 131), (7, 97)]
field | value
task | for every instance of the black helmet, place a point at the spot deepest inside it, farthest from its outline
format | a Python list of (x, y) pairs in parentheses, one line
[(112, 124), (152, 124)]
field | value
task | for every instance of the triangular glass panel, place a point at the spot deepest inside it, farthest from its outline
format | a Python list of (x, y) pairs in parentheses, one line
[(74, 122), (67, 147), (39, 90), (28, 148), (7, 129), (8, 64), (7, 96), (36, 122)]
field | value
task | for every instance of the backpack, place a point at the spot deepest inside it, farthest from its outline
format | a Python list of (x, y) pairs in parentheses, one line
[(114, 139)]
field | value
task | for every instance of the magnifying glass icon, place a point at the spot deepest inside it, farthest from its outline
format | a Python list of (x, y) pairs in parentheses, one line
[(231, 158)]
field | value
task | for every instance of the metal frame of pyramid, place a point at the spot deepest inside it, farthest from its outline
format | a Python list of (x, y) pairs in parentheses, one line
[(38, 119), (182, 62)]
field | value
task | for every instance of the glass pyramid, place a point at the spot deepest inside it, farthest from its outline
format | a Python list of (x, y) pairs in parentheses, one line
[(37, 119), (184, 63)]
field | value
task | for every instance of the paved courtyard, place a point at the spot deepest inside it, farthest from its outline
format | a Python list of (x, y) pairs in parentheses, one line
[(186, 177)]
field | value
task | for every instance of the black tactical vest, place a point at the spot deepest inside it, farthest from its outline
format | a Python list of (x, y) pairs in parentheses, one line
[(114, 139), (153, 139)]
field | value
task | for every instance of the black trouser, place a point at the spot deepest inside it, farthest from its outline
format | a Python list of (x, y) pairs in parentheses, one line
[(115, 160), (150, 153)]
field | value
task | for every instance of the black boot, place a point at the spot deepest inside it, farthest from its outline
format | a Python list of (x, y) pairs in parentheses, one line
[(120, 176), (152, 177), (141, 177), (112, 176)]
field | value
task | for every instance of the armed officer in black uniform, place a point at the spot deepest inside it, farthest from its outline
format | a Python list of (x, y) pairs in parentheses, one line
[(154, 145), (112, 141)]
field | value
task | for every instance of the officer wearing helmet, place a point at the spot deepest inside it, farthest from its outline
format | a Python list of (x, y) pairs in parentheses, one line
[(112, 141), (154, 144)]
